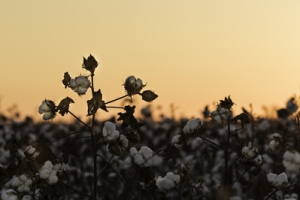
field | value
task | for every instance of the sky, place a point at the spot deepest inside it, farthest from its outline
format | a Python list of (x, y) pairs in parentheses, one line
[(191, 53)]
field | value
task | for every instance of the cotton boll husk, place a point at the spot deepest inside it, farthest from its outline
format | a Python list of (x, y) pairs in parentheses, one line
[(138, 159), (146, 152)]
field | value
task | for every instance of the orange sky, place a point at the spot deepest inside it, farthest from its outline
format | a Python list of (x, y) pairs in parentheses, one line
[(191, 53)]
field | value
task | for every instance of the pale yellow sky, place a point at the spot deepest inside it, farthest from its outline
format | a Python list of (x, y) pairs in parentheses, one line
[(191, 53)]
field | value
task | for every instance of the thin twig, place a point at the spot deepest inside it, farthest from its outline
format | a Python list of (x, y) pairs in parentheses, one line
[(117, 99), (119, 107), (112, 169), (203, 138), (106, 165), (75, 189), (79, 119), (67, 135)]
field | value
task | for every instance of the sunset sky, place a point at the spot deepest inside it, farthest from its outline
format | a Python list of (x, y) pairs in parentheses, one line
[(191, 53)]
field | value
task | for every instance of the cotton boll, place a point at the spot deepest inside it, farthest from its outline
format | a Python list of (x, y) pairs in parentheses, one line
[(138, 83), (26, 197), (282, 179), (164, 183), (288, 156), (174, 177), (16, 181), (138, 159), (44, 107), (73, 84), (271, 178), (44, 174), (297, 157), (9, 194), (47, 115), (81, 90), (133, 151), (146, 152)]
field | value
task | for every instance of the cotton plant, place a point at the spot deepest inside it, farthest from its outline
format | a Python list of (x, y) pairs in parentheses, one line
[(116, 141), (250, 155)]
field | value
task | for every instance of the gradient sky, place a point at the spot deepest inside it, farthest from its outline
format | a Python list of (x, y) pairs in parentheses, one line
[(191, 53)]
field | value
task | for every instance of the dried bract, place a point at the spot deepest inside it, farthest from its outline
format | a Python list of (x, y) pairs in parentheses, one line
[(90, 64)]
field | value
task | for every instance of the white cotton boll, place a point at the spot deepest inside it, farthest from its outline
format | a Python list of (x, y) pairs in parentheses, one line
[(44, 174), (138, 83), (273, 145), (29, 150), (28, 182), (26, 197), (258, 160), (173, 177), (9, 194), (192, 125), (157, 160), (16, 181), (48, 165), (83, 81), (264, 125), (294, 195), (52, 179), (47, 115), (164, 183), (282, 180), (133, 151), (57, 167), (290, 198), (73, 84), (44, 107), (176, 138), (124, 141), (81, 90), (138, 159), (288, 156), (36, 154), (146, 152), (271, 178), (245, 150), (21, 188), (131, 79), (195, 143), (297, 157), (23, 177)]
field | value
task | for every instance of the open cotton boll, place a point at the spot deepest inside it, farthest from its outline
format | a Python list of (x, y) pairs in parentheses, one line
[(133, 151), (138, 83), (282, 180), (173, 177), (288, 156), (192, 125), (52, 178), (164, 183), (73, 84), (26, 197), (82, 81), (146, 152), (9, 194), (44, 107), (16, 181), (271, 177), (131, 79), (124, 141), (297, 157), (138, 159)]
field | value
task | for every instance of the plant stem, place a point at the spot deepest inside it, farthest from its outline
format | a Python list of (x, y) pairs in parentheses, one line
[(79, 119), (115, 107), (117, 99), (226, 151), (67, 135), (74, 189), (94, 149), (203, 138)]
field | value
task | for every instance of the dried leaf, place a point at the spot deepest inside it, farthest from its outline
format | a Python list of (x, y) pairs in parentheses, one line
[(95, 103), (226, 103), (148, 95), (259, 187), (64, 105), (90, 63), (115, 149), (129, 119), (243, 117), (66, 80)]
